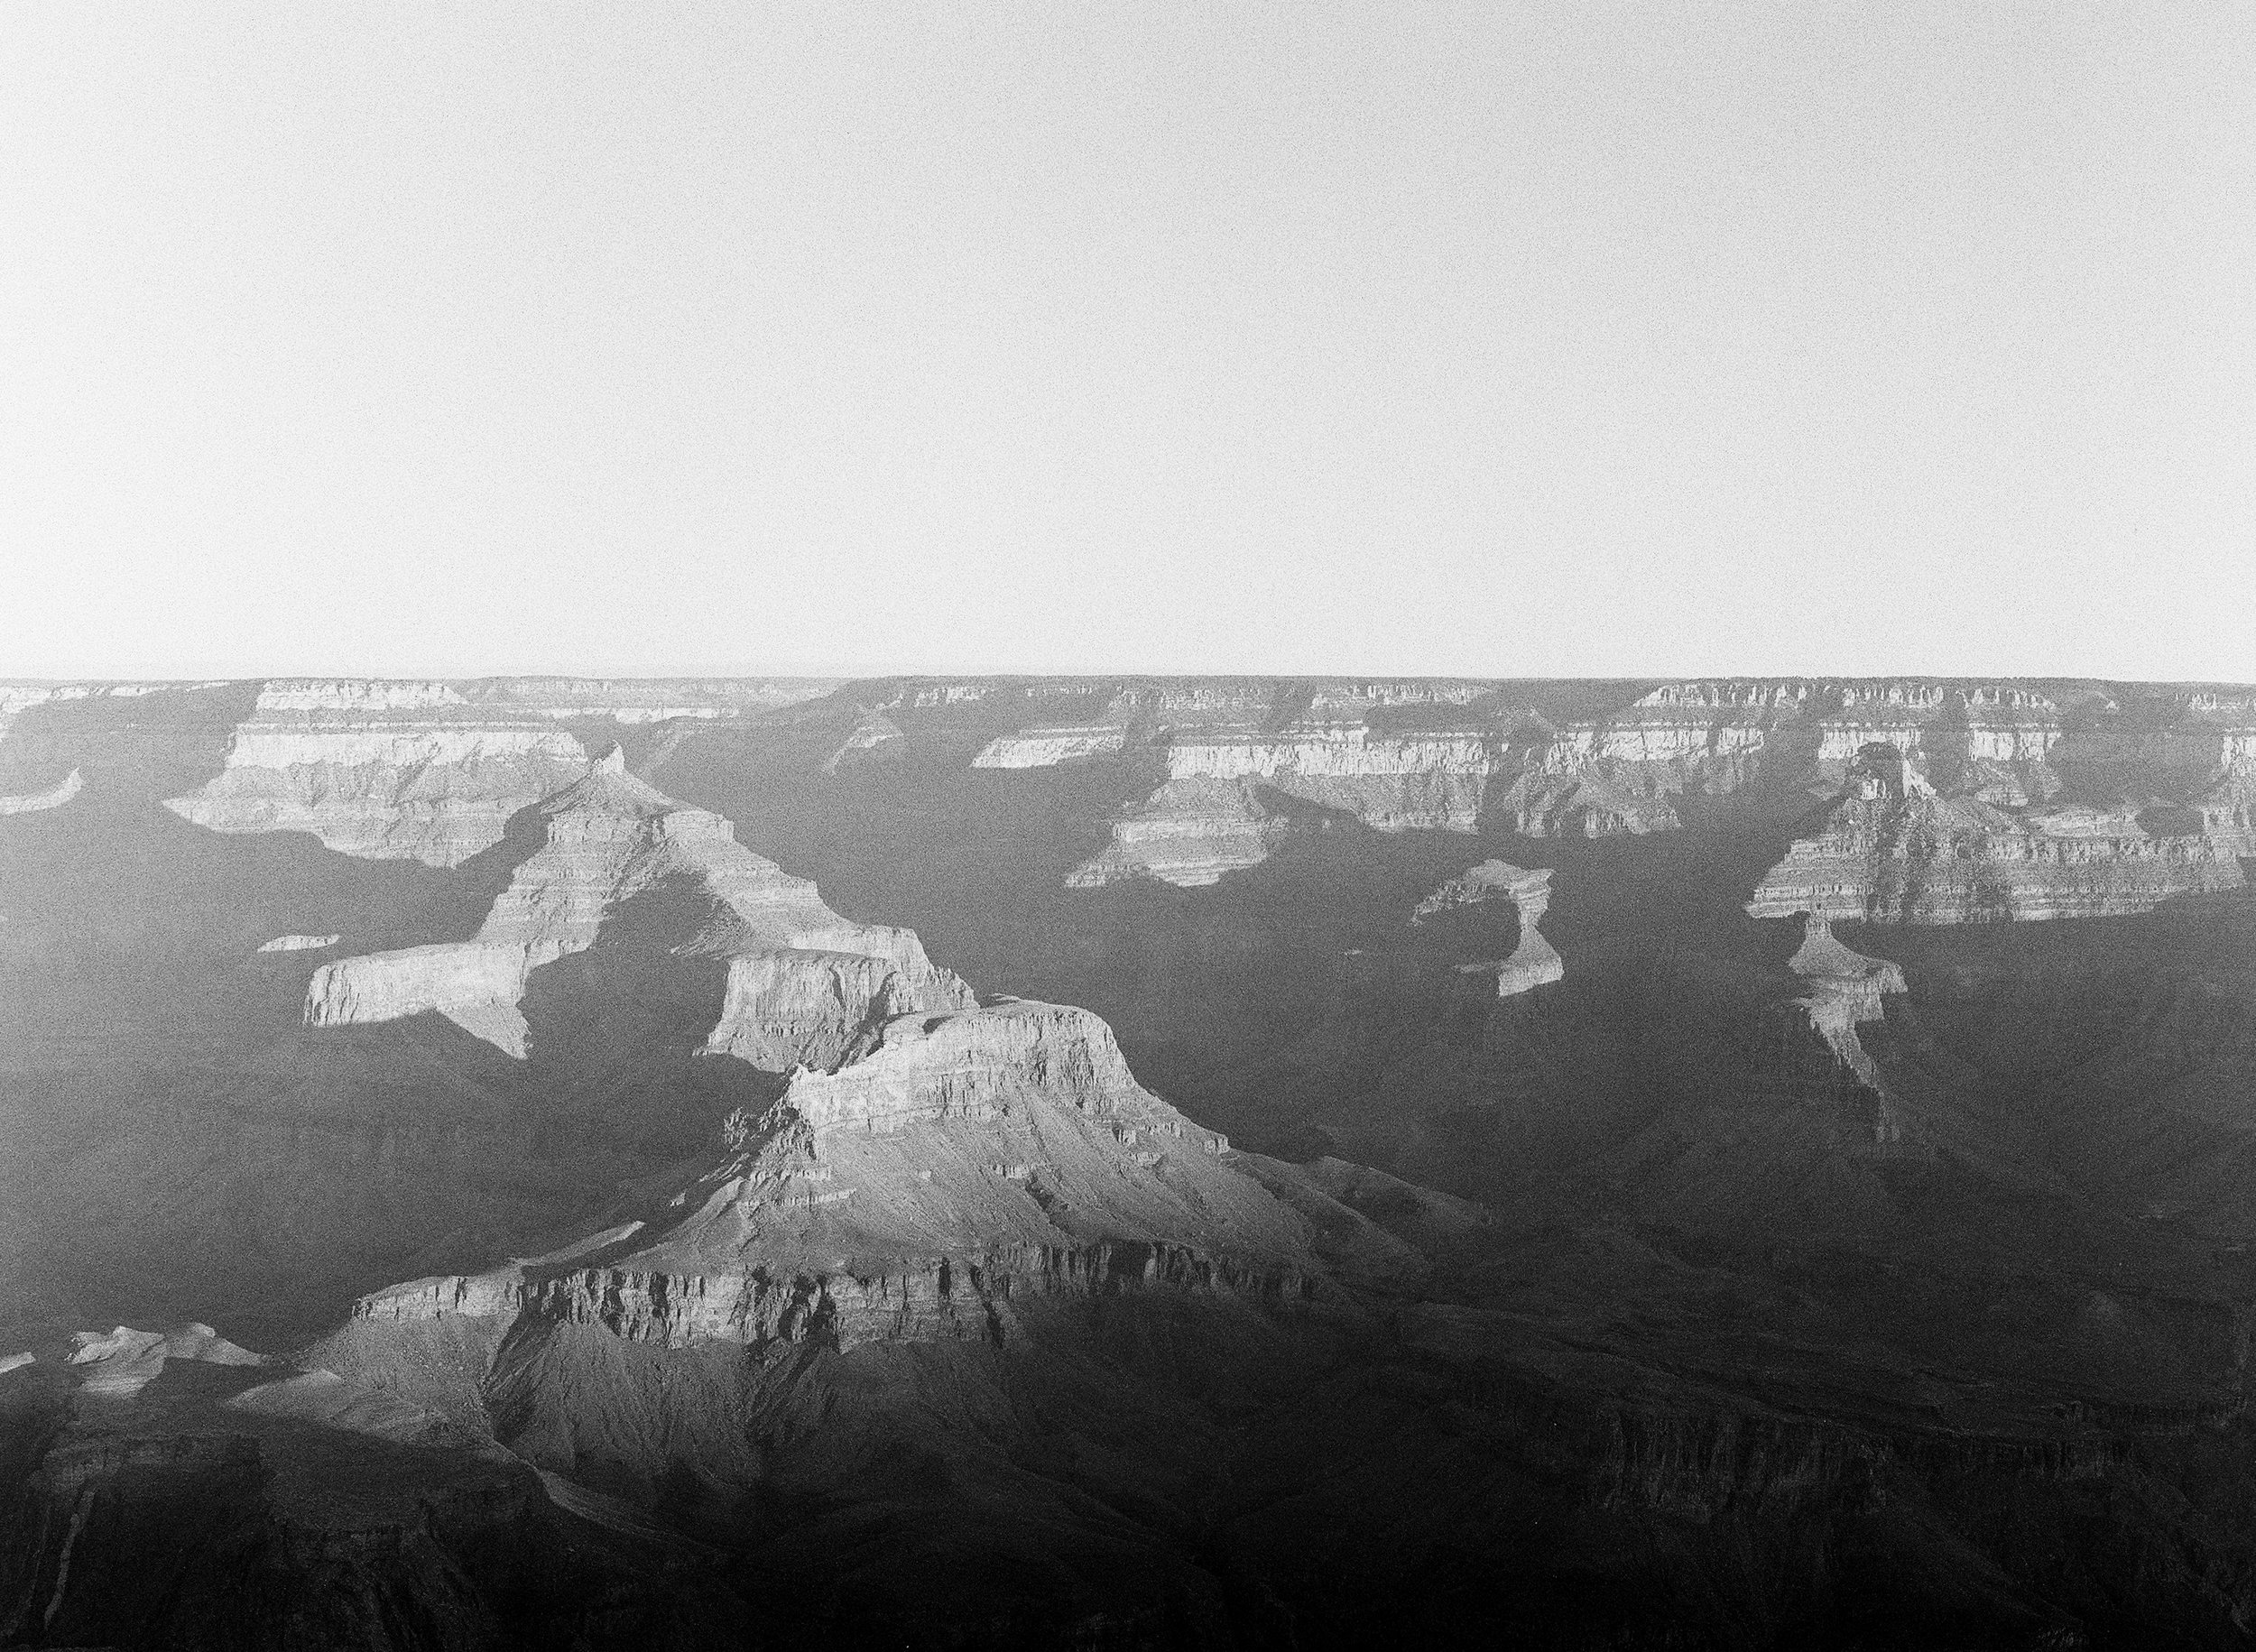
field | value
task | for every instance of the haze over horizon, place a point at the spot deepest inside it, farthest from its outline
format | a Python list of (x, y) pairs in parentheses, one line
[(1559, 340)]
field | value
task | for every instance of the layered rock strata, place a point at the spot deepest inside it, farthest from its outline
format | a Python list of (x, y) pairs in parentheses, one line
[(1188, 833), (1043, 748), (2227, 801), (383, 771), (1895, 850), (1621, 774), (969, 1159), (645, 699)]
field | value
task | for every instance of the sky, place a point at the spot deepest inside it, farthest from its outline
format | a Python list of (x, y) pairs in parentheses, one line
[(1542, 339)]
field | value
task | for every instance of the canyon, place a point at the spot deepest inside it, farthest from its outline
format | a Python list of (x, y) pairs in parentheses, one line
[(1042, 1161)]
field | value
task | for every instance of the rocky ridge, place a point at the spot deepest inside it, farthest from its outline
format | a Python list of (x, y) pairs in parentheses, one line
[(609, 839)]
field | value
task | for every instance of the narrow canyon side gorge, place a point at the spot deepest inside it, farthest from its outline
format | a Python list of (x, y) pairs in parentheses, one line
[(1118, 1162)]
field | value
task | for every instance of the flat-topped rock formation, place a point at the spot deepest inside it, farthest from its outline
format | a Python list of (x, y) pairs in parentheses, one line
[(1465, 755), (1045, 748), (609, 839), (383, 769), (645, 699), (431, 771)]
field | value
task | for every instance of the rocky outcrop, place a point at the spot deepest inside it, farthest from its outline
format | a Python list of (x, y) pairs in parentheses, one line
[(1188, 833), (1534, 961), (609, 841), (975, 1065), (1043, 748), (1624, 774), (475, 984), (300, 943), (1847, 989), (801, 1008), (971, 1157), (53, 797), (1391, 782), (1895, 850), (873, 734), (2226, 802), (383, 771), (123, 1362)]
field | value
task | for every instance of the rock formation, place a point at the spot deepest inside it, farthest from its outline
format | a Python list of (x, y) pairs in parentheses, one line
[(970, 1159), (643, 700), (172, 1489), (1895, 850), (125, 1362), (874, 732), (2223, 727), (922, 1322), (1533, 961), (53, 797), (1845, 989), (1621, 774), (1188, 833), (383, 769), (1043, 748), (300, 943), (608, 840)]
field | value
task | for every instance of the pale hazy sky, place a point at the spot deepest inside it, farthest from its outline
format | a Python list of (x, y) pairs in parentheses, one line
[(1563, 338)]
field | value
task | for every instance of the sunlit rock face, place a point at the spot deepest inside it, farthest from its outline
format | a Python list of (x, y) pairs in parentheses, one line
[(300, 943), (1847, 989), (383, 771), (609, 839), (1043, 748), (1239, 754), (1534, 961), (2217, 731), (1895, 849), (1188, 833), (801, 1007), (1391, 782), (968, 1161), (872, 734), (1624, 774)]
